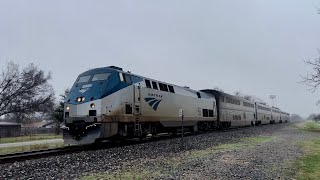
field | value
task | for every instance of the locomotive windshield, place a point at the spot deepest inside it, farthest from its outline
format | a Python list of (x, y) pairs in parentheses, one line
[(83, 79), (96, 77), (100, 77)]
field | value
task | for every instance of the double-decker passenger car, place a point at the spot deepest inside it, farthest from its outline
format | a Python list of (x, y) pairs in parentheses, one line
[(276, 115), (263, 113), (233, 111), (285, 117)]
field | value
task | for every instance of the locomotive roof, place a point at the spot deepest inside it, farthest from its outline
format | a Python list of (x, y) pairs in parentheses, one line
[(120, 70), (219, 93), (204, 91)]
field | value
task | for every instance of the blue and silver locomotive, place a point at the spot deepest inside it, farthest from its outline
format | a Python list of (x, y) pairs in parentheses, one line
[(107, 103)]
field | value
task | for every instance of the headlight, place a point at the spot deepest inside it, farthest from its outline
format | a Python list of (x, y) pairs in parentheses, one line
[(80, 99), (92, 105), (67, 108)]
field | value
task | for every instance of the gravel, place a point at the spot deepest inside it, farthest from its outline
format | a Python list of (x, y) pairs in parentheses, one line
[(165, 159)]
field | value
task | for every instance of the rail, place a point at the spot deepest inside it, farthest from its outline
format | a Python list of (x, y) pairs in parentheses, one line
[(14, 157)]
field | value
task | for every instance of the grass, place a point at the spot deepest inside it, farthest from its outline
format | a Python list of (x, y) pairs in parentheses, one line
[(29, 138), (257, 140), (309, 126), (9, 150), (244, 143), (165, 167), (309, 165)]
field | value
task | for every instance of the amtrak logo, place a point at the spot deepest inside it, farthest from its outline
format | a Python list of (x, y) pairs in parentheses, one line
[(153, 102), (83, 90)]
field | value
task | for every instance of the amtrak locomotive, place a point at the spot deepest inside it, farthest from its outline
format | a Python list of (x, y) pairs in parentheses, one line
[(107, 103)]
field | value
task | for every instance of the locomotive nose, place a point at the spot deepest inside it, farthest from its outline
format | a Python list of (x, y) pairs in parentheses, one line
[(81, 134)]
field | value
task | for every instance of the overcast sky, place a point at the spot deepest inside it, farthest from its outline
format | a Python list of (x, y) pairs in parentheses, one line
[(255, 47)]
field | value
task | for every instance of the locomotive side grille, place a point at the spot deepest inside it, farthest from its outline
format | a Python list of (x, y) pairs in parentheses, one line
[(128, 109), (92, 113)]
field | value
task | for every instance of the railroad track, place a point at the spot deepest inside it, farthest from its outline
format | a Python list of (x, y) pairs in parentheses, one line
[(10, 158), (21, 156)]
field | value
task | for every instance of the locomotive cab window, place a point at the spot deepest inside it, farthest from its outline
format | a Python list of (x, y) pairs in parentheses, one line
[(135, 79), (148, 84), (154, 85), (127, 78), (199, 95), (171, 89)]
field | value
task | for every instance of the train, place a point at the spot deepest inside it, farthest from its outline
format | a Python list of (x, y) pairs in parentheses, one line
[(108, 103)]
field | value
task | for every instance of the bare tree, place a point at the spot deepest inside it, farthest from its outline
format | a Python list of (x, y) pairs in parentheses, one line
[(24, 92), (311, 116), (314, 117), (312, 79)]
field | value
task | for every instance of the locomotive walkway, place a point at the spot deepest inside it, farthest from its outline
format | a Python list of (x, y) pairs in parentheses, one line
[(7, 145)]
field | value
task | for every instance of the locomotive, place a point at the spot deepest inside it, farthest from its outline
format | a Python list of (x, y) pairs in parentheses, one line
[(109, 103)]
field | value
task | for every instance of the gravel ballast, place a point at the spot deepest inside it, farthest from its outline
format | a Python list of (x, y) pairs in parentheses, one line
[(262, 152)]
